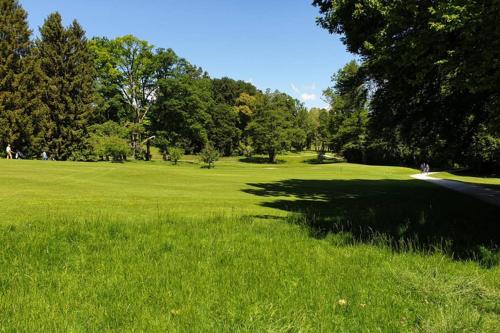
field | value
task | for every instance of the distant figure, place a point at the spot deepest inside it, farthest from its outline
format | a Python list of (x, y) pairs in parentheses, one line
[(19, 155), (9, 152), (427, 169), (422, 168), (45, 157)]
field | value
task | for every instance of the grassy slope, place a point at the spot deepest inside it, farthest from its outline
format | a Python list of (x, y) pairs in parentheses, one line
[(156, 247)]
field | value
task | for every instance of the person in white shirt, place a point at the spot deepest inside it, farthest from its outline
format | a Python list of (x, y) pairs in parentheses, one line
[(9, 152)]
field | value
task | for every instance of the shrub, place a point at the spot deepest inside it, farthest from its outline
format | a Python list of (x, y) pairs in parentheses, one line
[(175, 154), (209, 155), (110, 146), (246, 149)]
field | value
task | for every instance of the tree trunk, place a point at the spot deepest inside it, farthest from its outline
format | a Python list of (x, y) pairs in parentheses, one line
[(272, 156), (148, 151)]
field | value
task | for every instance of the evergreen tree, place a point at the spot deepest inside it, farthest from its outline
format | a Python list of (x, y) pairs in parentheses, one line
[(15, 46), (66, 86)]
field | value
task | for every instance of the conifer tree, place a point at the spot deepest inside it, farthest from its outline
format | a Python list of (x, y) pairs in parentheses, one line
[(66, 86), (15, 47)]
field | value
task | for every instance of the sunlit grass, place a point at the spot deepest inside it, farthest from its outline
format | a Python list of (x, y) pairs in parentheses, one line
[(156, 247)]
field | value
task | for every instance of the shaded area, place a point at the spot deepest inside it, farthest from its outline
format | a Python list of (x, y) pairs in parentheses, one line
[(260, 160), (326, 160), (407, 213)]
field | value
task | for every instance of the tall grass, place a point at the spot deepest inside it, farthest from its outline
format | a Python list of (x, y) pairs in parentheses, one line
[(227, 272)]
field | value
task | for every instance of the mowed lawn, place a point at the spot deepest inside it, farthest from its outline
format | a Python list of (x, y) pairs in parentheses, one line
[(291, 247)]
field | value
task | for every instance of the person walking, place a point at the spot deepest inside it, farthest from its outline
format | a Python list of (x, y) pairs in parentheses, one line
[(427, 168), (8, 150), (45, 157)]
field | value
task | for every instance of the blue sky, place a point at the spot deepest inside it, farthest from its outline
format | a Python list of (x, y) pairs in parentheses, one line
[(271, 43)]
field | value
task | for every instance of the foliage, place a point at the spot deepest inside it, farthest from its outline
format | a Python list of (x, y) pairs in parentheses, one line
[(15, 48), (65, 87), (109, 140), (222, 129), (175, 154), (432, 68), (271, 125), (182, 111), (209, 155)]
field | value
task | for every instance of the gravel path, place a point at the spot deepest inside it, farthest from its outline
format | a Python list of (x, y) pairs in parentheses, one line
[(482, 193)]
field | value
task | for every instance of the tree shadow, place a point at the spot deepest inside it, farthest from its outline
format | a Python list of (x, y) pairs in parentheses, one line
[(403, 212), (259, 160), (324, 161)]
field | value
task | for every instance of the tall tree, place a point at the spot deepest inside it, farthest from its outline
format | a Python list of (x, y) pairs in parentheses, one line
[(15, 45), (271, 125), (434, 65), (182, 111), (66, 84), (134, 68), (348, 113)]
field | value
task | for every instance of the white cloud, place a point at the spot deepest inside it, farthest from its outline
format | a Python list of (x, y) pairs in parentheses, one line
[(305, 93), (308, 97)]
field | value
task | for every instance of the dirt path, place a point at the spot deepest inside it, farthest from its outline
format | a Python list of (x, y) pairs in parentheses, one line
[(482, 193)]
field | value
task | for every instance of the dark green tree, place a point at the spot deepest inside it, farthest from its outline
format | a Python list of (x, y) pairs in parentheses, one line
[(223, 131), (348, 113), (182, 111), (15, 47), (433, 64), (66, 87), (272, 123), (227, 91)]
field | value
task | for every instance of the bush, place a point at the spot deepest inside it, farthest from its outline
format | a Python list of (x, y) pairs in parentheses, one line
[(246, 149), (175, 154), (110, 146), (209, 155)]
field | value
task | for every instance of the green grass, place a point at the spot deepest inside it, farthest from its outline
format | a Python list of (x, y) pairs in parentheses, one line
[(243, 247)]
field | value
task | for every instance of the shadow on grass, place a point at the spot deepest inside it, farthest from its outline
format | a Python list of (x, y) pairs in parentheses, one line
[(406, 213), (324, 161), (260, 160)]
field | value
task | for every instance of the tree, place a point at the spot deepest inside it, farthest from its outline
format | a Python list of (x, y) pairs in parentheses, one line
[(15, 47), (133, 68), (227, 91), (433, 68), (175, 154), (348, 113), (270, 128), (223, 131), (209, 155), (66, 87), (182, 111)]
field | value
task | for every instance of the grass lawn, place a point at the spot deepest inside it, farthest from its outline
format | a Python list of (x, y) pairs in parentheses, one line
[(292, 247)]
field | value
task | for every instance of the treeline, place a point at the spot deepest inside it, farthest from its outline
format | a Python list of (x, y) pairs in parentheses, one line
[(427, 87), (80, 99)]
